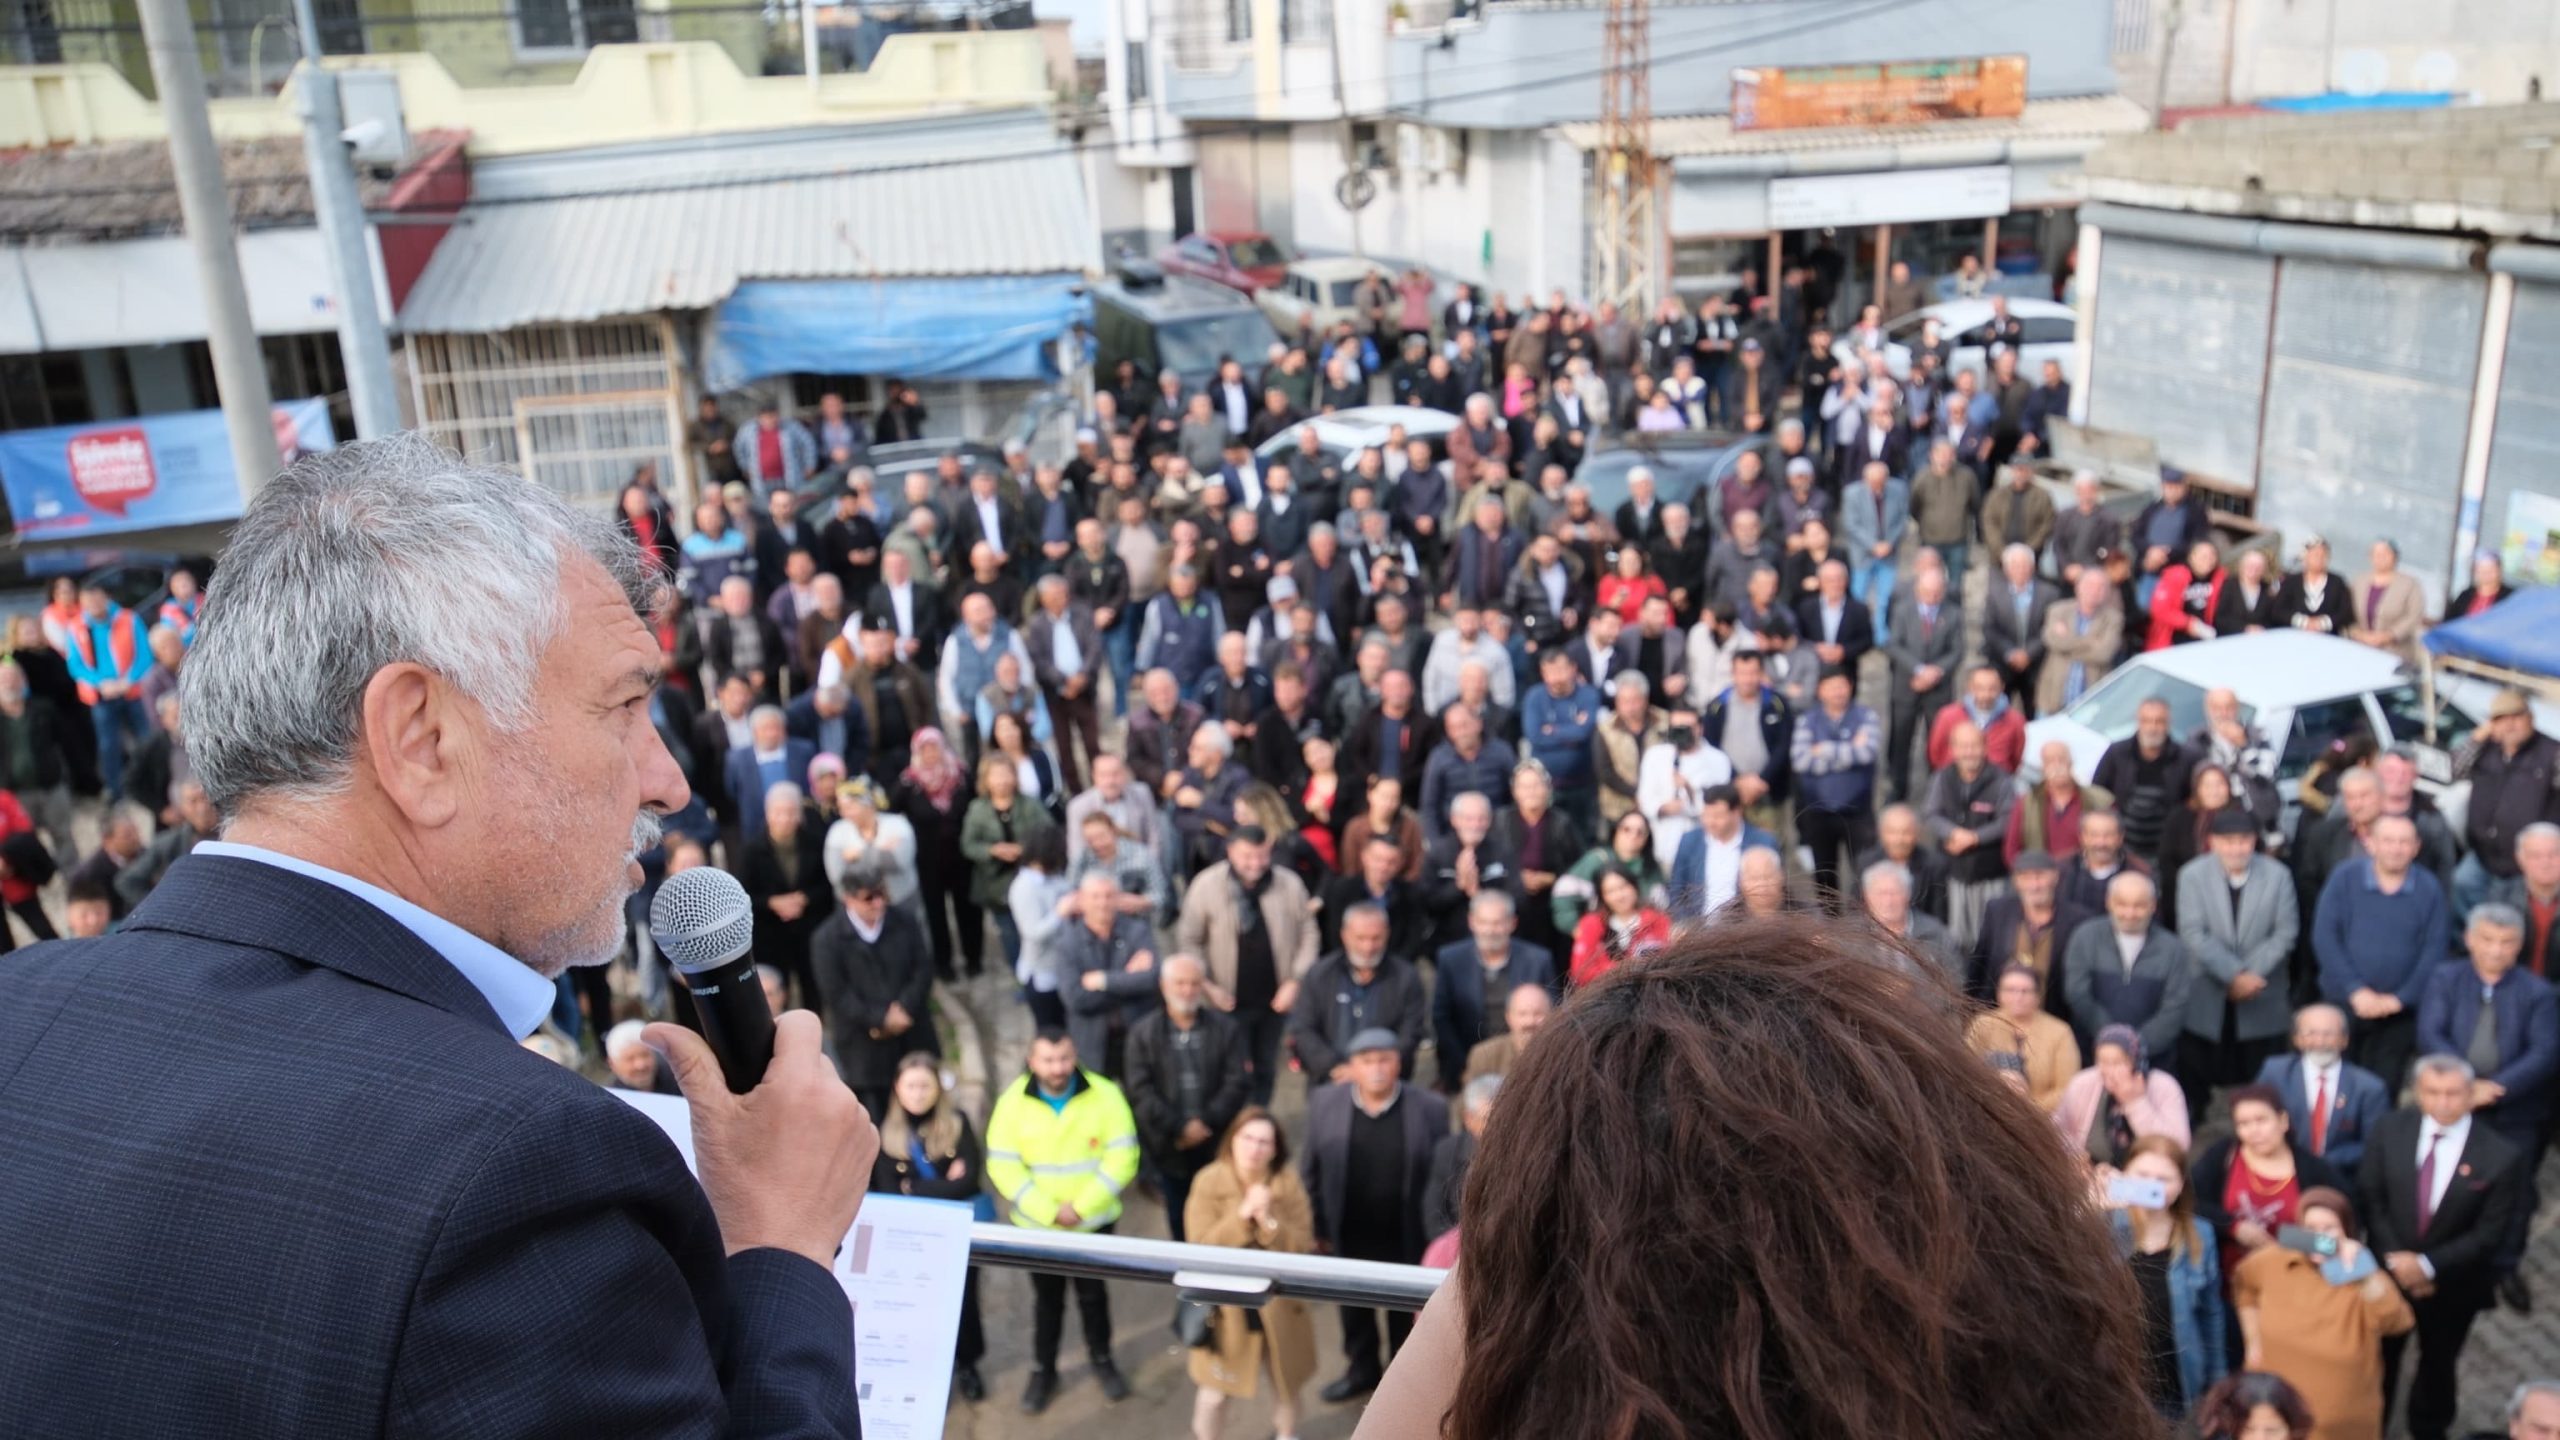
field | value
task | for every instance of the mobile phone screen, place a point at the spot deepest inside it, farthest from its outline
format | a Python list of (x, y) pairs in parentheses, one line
[(2294, 1237), (2133, 1191)]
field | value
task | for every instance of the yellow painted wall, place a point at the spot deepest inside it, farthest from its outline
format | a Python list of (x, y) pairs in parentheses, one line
[(621, 93)]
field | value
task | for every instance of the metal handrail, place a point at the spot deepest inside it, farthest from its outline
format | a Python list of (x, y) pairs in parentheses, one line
[(1214, 1274)]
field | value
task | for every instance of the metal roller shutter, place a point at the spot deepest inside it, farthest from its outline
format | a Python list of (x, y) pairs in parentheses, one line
[(2524, 454), (2368, 405), (2181, 351)]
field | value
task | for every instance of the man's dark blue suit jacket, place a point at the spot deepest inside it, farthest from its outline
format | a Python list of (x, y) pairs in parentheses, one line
[(270, 1166)]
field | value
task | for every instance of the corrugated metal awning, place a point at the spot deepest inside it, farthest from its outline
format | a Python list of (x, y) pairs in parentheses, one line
[(851, 205), (2068, 125)]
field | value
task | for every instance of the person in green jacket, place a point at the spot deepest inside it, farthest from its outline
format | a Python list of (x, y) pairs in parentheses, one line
[(992, 836), (1630, 846)]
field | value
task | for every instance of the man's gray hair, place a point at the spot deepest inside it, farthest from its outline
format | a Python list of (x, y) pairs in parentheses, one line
[(374, 554), (2447, 1065), (761, 713), (1493, 900), (1478, 1096), (2495, 914), (2018, 548), (2538, 830), (1324, 528), (1632, 682), (1893, 870), (2525, 1392), (1218, 738), (624, 1038), (781, 788)]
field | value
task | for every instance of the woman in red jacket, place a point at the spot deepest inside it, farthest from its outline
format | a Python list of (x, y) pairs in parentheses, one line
[(1621, 929), (2182, 604), (1626, 588)]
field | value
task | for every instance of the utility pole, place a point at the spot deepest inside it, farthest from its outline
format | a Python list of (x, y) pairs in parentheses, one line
[(1626, 236), (362, 346), (239, 369)]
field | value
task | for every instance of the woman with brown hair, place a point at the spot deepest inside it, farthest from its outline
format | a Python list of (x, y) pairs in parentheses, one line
[(1249, 1199), (2320, 1323), (1769, 1134), (1387, 818), (2253, 1406), (2172, 1256), (2250, 1183)]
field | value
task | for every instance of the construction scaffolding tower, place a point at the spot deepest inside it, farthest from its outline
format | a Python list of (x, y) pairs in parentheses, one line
[(1626, 236)]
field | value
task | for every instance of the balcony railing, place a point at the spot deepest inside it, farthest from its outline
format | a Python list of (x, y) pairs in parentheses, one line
[(1209, 1273)]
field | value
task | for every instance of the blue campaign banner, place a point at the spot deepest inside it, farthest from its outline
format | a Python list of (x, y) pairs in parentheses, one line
[(140, 474)]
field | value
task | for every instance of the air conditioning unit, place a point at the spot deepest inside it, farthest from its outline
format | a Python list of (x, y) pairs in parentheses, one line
[(1435, 150)]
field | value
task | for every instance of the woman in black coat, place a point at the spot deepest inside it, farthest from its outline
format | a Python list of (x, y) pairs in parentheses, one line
[(49, 678), (877, 990), (929, 1149), (933, 792), (780, 864)]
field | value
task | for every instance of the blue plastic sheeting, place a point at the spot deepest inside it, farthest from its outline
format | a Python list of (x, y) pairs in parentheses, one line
[(2522, 634), (2336, 101), (988, 328)]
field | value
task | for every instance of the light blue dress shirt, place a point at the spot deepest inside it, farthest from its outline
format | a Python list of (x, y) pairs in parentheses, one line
[(520, 997)]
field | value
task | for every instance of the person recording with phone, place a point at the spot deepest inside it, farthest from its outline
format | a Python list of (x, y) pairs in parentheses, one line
[(2152, 1214), (419, 698), (2315, 1307)]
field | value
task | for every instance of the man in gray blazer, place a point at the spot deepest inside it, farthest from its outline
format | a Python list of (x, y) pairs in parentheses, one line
[(2123, 970), (1926, 647), (2237, 918), (2014, 602), (1066, 654)]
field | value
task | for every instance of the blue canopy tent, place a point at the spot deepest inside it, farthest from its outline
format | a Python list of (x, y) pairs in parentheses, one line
[(994, 327), (2521, 637)]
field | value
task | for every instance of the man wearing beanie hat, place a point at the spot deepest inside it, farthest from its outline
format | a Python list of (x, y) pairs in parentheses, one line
[(1367, 1162), (2238, 920)]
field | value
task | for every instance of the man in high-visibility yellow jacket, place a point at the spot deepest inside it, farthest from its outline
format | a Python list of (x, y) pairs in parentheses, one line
[(1061, 1146)]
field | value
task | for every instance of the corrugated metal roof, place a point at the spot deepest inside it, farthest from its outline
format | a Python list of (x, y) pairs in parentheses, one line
[(2079, 117), (617, 250)]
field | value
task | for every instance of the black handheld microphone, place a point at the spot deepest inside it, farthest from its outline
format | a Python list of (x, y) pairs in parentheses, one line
[(704, 925)]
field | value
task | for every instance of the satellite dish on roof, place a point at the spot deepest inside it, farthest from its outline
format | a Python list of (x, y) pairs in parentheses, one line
[(2361, 72)]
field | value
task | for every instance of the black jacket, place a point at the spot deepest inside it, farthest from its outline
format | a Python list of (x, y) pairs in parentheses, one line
[(2212, 1171), (1448, 1183), (2334, 615), (861, 979), (1396, 1002), (1149, 1078), (1857, 628), (2469, 1224)]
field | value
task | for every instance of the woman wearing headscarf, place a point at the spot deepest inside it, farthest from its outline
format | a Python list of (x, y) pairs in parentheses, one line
[(2174, 1268), (933, 795), (867, 829), (1251, 1199), (929, 1149), (2320, 1322), (2120, 1099)]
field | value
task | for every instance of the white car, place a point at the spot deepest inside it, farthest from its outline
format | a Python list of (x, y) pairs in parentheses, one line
[(2050, 328), (2300, 690), (1322, 289), (1345, 433)]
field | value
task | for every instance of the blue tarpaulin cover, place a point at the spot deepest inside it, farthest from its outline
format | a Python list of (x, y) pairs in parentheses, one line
[(981, 328), (2522, 634)]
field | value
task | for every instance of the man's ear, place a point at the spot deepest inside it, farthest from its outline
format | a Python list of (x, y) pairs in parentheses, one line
[(413, 736)]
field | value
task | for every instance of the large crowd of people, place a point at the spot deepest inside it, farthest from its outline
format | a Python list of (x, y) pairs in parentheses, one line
[(1353, 767)]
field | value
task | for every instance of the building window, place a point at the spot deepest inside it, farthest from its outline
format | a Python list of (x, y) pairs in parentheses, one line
[(1133, 72), (1306, 22), (1239, 20), (571, 27)]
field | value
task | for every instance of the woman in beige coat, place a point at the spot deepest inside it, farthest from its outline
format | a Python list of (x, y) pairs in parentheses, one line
[(2389, 605), (1250, 1199)]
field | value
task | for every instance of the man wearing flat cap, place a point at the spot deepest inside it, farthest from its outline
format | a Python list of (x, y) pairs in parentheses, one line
[(1367, 1163), (2238, 921)]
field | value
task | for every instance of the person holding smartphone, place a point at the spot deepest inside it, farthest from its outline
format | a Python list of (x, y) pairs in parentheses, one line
[(2175, 1266), (2315, 1308)]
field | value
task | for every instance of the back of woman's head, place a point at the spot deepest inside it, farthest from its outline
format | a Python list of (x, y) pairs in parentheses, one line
[(1755, 1186), (2224, 1412)]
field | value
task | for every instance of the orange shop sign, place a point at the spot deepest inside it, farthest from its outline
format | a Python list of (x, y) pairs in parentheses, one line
[(1904, 92)]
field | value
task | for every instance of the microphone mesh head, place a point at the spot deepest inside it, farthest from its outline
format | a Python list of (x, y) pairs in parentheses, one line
[(701, 919)]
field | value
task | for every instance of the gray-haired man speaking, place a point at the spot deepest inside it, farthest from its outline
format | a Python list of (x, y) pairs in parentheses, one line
[(276, 1162)]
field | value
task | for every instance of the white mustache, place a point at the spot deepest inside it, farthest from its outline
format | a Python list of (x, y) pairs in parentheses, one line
[(646, 829)]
